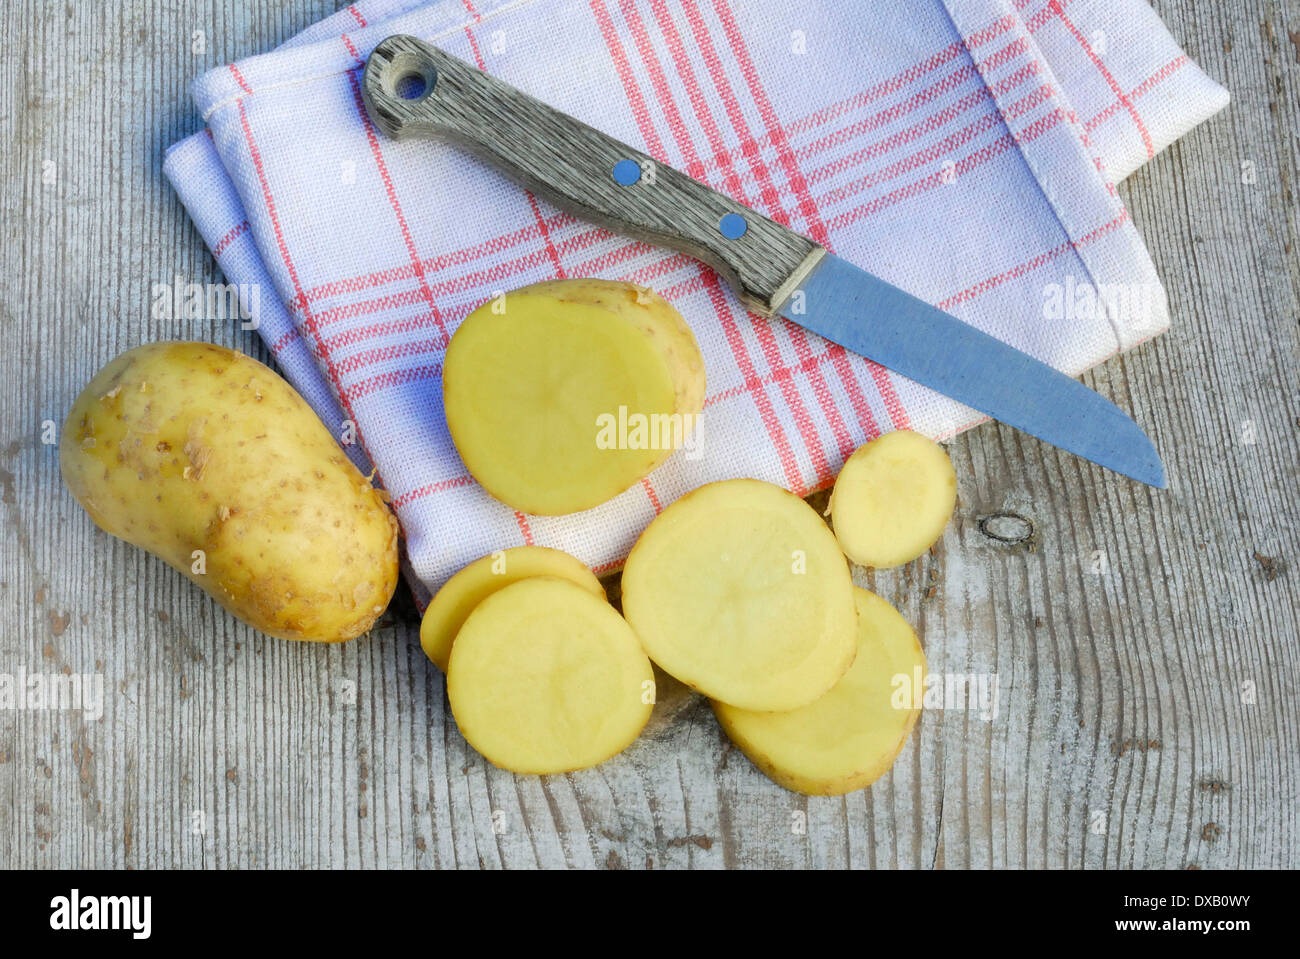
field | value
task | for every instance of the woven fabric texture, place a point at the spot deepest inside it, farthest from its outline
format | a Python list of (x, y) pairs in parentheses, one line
[(965, 150)]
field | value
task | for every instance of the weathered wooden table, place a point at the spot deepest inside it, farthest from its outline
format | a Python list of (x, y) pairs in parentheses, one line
[(1146, 643)]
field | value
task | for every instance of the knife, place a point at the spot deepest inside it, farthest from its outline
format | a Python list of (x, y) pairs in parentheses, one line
[(413, 89)]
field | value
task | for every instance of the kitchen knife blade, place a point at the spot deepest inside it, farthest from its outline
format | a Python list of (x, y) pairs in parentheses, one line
[(865, 314), (412, 89)]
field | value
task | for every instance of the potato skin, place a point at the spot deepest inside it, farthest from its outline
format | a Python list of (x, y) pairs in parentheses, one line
[(176, 447)]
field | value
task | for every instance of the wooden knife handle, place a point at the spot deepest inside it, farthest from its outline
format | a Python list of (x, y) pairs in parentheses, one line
[(414, 89)]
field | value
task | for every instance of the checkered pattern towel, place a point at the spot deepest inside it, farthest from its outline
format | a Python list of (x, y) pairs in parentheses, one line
[(966, 150)]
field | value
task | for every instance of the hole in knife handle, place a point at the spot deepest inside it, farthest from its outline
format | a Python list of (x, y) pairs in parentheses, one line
[(410, 86), (409, 77)]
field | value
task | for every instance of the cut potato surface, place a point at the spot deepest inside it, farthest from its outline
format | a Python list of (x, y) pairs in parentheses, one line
[(561, 395), (739, 590), (546, 678), (459, 596), (851, 736), (893, 499)]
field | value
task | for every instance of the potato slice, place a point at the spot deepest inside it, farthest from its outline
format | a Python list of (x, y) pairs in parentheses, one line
[(893, 499), (561, 395), (739, 590), (546, 678), (847, 739), (458, 597)]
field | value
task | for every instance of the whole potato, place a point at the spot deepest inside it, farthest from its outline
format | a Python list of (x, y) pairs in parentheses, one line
[(212, 462)]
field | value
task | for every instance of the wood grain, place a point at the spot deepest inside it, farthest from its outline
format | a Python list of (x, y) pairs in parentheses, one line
[(1122, 629)]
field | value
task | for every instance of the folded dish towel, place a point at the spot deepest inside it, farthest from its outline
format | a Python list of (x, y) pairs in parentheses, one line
[(965, 150)]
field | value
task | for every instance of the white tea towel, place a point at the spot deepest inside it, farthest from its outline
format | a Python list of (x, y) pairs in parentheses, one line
[(966, 150)]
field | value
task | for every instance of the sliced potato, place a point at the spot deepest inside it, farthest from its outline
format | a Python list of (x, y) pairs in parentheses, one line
[(740, 591), (561, 395), (893, 499), (546, 678), (848, 738), (458, 597)]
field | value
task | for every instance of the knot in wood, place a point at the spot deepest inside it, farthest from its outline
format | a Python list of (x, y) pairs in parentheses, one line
[(1008, 528)]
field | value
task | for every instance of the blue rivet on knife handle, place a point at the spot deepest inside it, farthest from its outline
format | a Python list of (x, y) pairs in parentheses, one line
[(733, 226), (626, 172)]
